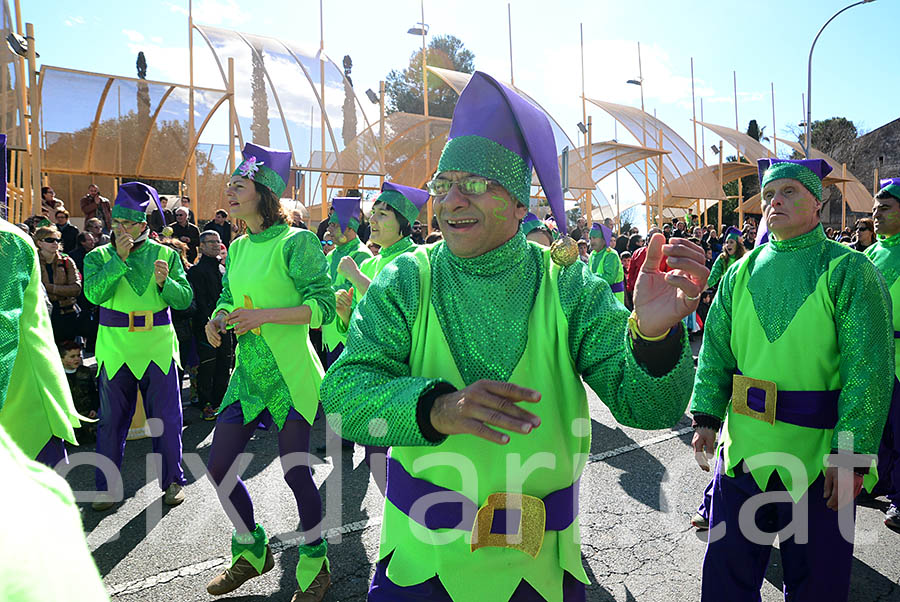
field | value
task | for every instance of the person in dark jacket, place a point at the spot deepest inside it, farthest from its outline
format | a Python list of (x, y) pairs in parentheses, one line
[(215, 362)]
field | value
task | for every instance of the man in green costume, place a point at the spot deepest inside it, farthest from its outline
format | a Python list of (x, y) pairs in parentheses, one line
[(885, 254), (342, 225), (605, 262), (799, 339), (135, 281), (451, 339)]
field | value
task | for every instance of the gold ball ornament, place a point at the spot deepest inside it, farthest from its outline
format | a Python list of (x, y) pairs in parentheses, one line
[(167, 231), (564, 251)]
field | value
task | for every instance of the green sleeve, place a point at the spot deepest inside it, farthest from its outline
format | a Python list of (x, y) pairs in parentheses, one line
[(309, 271), (225, 302), (718, 269), (603, 355), (716, 364), (865, 335), (18, 261), (371, 379), (176, 290), (612, 269), (103, 268)]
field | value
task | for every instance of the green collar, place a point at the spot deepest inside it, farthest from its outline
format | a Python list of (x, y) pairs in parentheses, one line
[(269, 233), (890, 241), (348, 246), (398, 247), (494, 261), (813, 237)]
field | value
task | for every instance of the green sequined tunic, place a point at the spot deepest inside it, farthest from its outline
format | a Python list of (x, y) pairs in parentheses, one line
[(720, 266), (360, 253), (483, 304), (885, 254), (277, 369), (808, 314)]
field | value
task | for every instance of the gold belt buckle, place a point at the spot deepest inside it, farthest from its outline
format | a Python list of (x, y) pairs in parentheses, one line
[(741, 386), (532, 521), (148, 321)]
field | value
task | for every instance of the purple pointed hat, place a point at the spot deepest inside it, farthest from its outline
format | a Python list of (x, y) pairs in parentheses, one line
[(3, 167), (269, 167), (733, 232), (346, 212), (405, 199), (530, 223), (497, 134), (132, 201), (809, 172), (598, 230), (891, 186)]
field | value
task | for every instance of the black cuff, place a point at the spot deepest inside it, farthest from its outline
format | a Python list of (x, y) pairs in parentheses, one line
[(851, 456), (706, 421), (658, 358), (423, 410)]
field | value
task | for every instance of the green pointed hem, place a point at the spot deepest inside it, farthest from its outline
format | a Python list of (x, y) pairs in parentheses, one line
[(310, 563), (254, 553)]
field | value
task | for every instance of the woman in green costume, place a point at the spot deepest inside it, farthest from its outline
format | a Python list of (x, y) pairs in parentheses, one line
[(275, 288), (731, 253)]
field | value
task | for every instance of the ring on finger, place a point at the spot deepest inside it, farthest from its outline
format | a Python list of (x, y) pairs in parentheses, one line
[(689, 298)]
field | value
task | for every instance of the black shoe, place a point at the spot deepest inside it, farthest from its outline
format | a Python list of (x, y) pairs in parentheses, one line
[(892, 517)]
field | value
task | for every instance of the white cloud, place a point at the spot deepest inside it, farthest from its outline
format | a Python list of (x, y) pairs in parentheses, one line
[(73, 21), (156, 40), (132, 35)]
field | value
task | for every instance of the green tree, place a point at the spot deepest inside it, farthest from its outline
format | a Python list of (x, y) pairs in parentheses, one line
[(404, 88), (827, 134)]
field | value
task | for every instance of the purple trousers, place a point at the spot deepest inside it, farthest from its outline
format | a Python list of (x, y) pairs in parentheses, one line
[(734, 567), (889, 452), (385, 590), (162, 402), (53, 452)]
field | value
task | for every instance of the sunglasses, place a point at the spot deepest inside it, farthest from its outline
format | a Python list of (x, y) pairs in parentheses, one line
[(470, 185), (863, 229), (51, 239), (327, 243)]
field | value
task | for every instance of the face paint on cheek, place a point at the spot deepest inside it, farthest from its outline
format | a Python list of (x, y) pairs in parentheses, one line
[(801, 207), (499, 210)]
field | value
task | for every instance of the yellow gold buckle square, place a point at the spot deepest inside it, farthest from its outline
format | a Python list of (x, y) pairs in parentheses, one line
[(740, 387), (148, 321), (532, 522)]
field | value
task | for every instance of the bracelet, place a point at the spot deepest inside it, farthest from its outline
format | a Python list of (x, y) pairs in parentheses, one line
[(637, 334)]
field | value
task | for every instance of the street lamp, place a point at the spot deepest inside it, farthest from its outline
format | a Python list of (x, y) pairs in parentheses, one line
[(421, 29), (809, 75), (373, 98)]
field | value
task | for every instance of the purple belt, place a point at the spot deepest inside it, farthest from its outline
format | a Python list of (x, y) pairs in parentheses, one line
[(456, 511), (812, 409), (135, 321), (897, 334), (618, 287)]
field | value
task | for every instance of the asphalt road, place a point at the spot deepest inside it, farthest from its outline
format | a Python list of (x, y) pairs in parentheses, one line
[(637, 494)]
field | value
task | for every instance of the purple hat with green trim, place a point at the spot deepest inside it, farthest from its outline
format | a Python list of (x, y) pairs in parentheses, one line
[(891, 186), (497, 134), (809, 172), (346, 212), (530, 223), (733, 232), (407, 200), (132, 202), (598, 230), (269, 167)]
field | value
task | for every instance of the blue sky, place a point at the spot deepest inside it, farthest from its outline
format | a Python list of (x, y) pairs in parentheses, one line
[(767, 41)]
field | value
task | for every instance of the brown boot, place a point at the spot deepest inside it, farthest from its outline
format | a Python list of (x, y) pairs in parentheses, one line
[(232, 578), (316, 590)]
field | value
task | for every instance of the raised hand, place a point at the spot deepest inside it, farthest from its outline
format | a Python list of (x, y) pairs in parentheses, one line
[(662, 299)]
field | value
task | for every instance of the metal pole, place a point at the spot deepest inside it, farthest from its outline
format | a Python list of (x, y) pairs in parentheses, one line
[(694, 111), (703, 147), (381, 127), (231, 114), (644, 132), (589, 213), (618, 211), (843, 196), (659, 178), (806, 141), (35, 109), (721, 183), (583, 102), (424, 62), (192, 158), (774, 130)]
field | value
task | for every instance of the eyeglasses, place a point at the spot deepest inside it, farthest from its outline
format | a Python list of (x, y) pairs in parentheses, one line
[(327, 243), (470, 185), (51, 239), (863, 229)]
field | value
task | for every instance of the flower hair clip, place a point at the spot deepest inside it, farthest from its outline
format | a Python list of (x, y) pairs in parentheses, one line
[(250, 167)]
